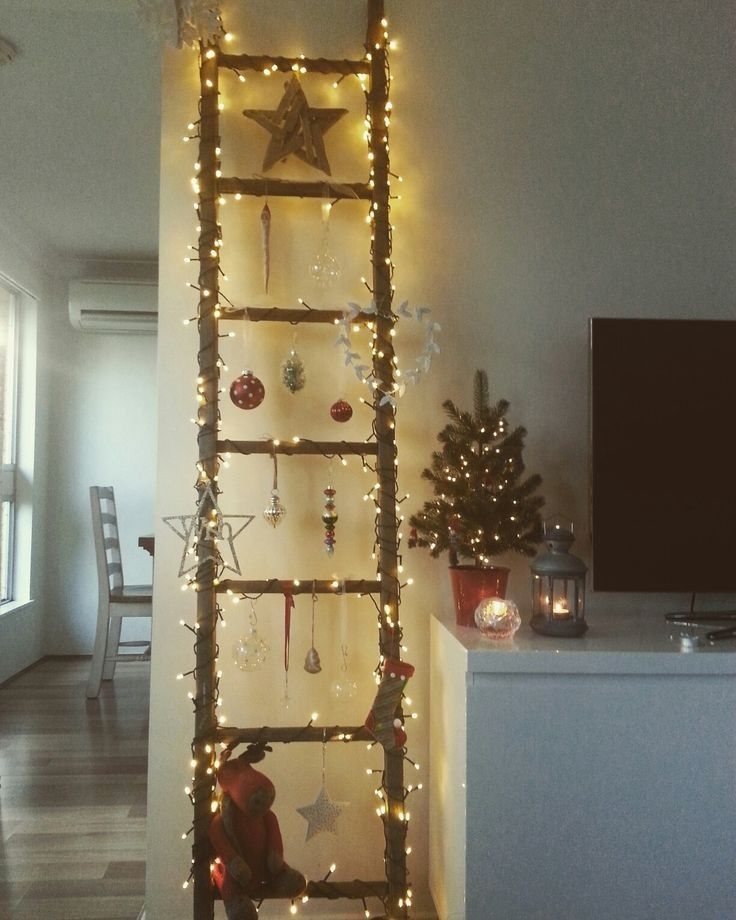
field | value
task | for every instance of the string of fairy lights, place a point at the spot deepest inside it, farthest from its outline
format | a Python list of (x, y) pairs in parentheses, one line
[(214, 305)]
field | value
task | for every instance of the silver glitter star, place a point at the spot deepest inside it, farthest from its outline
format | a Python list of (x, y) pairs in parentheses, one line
[(192, 529), (322, 815)]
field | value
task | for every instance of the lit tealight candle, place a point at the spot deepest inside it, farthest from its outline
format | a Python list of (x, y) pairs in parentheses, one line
[(560, 610)]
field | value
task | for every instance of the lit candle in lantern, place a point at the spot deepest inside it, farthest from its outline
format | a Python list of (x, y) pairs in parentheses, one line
[(560, 610)]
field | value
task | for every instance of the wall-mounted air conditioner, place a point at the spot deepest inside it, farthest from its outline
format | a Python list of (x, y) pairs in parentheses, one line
[(129, 306)]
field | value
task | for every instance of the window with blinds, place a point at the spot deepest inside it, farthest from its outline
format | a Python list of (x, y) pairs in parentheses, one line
[(8, 436)]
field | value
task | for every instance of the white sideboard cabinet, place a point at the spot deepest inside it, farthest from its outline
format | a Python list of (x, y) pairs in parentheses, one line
[(582, 779)]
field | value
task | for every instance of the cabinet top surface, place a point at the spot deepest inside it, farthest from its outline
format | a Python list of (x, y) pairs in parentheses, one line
[(631, 643)]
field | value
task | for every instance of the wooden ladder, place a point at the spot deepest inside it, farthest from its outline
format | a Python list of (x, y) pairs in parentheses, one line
[(381, 449)]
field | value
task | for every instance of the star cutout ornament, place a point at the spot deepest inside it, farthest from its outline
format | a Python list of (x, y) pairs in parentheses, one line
[(296, 129), (192, 529), (322, 815)]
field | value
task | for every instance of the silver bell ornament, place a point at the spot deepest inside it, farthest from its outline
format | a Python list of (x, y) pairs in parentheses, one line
[(274, 512), (312, 664)]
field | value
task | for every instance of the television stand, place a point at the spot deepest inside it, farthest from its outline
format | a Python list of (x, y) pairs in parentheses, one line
[(708, 619), (586, 778)]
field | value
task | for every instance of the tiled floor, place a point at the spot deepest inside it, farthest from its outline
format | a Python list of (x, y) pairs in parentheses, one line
[(73, 794)]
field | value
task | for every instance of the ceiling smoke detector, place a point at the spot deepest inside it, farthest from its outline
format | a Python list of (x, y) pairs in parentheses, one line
[(7, 51)]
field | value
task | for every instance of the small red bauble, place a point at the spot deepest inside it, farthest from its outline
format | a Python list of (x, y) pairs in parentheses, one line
[(341, 411), (247, 391)]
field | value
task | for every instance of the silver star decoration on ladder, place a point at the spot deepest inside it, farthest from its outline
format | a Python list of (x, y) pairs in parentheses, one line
[(192, 529), (322, 815)]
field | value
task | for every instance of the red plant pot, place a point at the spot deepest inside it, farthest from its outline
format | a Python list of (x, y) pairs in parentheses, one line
[(470, 585)]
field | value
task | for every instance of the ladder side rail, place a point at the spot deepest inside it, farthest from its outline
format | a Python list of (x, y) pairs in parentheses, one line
[(205, 718), (383, 365)]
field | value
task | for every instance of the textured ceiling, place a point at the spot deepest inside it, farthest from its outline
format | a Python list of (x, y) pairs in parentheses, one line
[(79, 126)]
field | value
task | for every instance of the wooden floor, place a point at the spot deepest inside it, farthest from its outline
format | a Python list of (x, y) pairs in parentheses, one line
[(73, 793)]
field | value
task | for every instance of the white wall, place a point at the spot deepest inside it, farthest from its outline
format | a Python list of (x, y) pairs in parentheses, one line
[(562, 160)]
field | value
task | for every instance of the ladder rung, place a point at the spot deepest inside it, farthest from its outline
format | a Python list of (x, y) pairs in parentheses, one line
[(290, 735), (328, 448), (284, 187), (299, 586), (355, 890), (267, 62), (282, 315)]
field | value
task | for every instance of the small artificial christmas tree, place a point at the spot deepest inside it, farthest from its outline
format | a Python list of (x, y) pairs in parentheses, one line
[(484, 507)]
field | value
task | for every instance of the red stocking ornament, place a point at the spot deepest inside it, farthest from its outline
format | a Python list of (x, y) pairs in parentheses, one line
[(382, 722)]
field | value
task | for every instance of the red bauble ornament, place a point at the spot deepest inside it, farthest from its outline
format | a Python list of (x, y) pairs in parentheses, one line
[(341, 411), (247, 391)]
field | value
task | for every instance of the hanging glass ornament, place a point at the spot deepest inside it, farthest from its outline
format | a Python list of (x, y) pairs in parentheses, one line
[(341, 411), (247, 391), (312, 664), (324, 269), (266, 244), (329, 519), (274, 512), (288, 608), (250, 651), (293, 375), (344, 688)]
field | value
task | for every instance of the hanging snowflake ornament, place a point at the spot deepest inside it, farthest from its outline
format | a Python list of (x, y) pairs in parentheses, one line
[(183, 23)]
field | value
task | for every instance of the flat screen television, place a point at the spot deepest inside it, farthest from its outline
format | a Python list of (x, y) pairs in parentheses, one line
[(663, 454)]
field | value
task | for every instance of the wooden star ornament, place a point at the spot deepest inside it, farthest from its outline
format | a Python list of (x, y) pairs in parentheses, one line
[(296, 129)]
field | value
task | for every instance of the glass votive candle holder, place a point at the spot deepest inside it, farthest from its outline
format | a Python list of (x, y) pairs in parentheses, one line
[(497, 618)]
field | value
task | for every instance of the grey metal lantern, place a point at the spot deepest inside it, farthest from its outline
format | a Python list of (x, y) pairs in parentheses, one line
[(558, 585)]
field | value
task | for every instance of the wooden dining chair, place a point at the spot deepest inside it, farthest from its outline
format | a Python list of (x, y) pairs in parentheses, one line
[(116, 599)]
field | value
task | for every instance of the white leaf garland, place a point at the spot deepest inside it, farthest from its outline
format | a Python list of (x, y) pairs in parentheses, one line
[(364, 372)]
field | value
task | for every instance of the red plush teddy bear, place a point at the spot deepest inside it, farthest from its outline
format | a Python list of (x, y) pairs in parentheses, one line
[(247, 841)]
